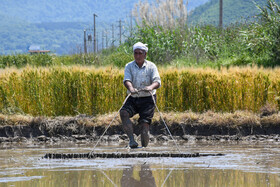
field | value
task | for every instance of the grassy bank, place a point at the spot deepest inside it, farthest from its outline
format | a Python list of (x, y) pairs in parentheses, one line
[(59, 91), (240, 125)]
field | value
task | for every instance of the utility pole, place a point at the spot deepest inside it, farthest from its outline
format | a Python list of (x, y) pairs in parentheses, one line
[(102, 39), (94, 34), (113, 39), (96, 41), (106, 40), (85, 42), (120, 25), (221, 14), (130, 24)]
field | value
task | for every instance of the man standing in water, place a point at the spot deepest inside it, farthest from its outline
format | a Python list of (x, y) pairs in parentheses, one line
[(141, 78)]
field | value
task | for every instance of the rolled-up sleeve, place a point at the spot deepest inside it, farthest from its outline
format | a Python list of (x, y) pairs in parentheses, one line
[(127, 74), (155, 75)]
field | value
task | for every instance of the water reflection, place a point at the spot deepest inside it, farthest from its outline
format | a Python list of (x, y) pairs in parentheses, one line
[(243, 166), (146, 177)]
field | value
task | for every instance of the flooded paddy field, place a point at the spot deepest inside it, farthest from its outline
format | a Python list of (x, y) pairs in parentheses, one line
[(245, 163)]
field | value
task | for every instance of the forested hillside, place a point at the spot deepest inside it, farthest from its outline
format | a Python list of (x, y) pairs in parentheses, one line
[(61, 38), (233, 11), (66, 10), (73, 10), (58, 25)]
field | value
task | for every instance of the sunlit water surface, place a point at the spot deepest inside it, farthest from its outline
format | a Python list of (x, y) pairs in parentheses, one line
[(244, 164)]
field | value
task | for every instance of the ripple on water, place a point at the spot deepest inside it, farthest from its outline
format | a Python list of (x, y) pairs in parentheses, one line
[(16, 179), (257, 159)]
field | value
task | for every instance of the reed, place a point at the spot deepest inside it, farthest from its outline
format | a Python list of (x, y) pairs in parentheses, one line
[(76, 90), (166, 13)]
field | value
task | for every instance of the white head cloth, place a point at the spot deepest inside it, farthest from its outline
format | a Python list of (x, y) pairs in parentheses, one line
[(141, 46)]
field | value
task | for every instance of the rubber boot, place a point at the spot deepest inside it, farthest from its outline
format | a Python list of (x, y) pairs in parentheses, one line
[(132, 142), (128, 128), (145, 135)]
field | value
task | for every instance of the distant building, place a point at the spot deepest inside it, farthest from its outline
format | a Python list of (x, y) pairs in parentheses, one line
[(35, 49)]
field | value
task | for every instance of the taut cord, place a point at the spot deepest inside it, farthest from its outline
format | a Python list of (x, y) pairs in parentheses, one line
[(165, 123), (118, 113), (110, 123)]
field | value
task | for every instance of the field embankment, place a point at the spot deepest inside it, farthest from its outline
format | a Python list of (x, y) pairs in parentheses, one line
[(187, 126)]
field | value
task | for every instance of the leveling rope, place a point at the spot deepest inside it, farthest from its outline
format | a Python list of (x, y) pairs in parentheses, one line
[(110, 123), (165, 123)]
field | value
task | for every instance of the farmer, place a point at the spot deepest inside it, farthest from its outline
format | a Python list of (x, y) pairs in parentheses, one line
[(141, 78)]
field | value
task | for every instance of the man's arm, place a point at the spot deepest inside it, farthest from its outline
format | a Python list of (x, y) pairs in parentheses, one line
[(155, 78), (130, 87), (127, 80), (153, 86)]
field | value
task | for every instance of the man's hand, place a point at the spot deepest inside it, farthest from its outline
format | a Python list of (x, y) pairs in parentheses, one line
[(133, 91), (130, 87), (148, 89), (151, 87)]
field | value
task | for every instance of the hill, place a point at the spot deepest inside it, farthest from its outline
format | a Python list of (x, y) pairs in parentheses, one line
[(233, 11), (58, 24), (73, 10), (65, 10)]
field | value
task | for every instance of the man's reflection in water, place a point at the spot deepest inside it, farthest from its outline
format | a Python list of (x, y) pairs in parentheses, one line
[(146, 177)]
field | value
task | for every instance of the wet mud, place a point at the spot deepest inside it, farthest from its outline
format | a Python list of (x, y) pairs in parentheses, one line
[(74, 129)]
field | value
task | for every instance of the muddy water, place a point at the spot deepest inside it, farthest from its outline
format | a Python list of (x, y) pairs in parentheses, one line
[(245, 164)]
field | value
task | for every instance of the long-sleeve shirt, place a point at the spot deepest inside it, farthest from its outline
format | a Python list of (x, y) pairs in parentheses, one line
[(141, 77)]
